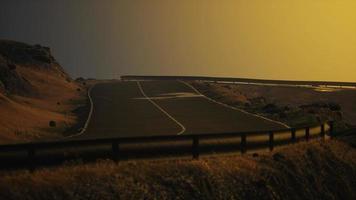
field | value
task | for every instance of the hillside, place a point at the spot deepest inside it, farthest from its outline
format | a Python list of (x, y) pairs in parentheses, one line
[(34, 90), (295, 106)]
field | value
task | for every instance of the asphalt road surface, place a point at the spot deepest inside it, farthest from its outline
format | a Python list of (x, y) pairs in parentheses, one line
[(130, 108), (146, 108)]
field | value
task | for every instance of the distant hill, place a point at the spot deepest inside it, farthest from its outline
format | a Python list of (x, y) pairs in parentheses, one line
[(34, 89)]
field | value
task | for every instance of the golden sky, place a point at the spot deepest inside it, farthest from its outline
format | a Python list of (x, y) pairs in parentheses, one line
[(272, 39)]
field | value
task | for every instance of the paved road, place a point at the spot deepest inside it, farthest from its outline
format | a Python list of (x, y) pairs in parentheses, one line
[(119, 110), (162, 108), (129, 109)]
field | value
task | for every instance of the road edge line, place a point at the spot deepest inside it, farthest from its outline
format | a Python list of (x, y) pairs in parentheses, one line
[(161, 109), (89, 115), (232, 107)]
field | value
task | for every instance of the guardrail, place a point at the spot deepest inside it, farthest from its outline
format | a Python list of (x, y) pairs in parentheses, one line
[(32, 148)]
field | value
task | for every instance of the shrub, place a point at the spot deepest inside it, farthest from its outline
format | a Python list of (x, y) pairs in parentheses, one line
[(11, 66), (282, 115), (257, 100), (227, 87), (52, 123), (312, 111), (247, 104), (339, 115), (79, 79), (334, 106), (271, 108)]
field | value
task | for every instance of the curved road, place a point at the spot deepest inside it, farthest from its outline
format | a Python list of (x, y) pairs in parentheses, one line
[(126, 109)]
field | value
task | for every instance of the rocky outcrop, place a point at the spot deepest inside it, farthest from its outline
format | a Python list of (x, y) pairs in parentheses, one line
[(11, 82), (14, 55)]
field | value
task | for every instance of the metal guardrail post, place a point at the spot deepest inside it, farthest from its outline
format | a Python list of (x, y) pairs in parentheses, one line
[(243, 143), (293, 136), (195, 148), (115, 150), (271, 141), (322, 131), (331, 128), (307, 134), (31, 158)]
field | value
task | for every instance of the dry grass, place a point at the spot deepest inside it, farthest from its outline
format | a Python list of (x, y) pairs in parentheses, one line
[(27, 118), (284, 103), (296, 96), (225, 93), (314, 170)]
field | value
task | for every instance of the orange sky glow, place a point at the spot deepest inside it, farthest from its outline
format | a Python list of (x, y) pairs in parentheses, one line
[(276, 39)]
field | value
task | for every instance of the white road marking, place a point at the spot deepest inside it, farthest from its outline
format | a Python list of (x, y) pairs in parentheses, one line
[(89, 116), (234, 108), (161, 109), (172, 95)]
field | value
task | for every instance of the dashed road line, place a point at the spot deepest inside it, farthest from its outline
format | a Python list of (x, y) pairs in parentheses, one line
[(234, 108), (161, 109)]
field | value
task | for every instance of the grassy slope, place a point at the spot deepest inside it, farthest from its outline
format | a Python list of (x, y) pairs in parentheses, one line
[(27, 118), (254, 98), (317, 170), (299, 96), (34, 91)]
